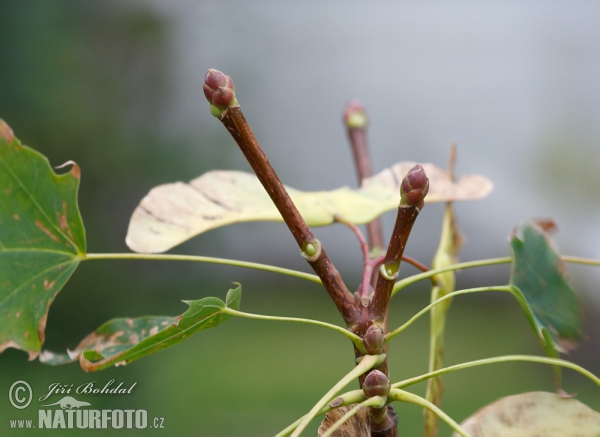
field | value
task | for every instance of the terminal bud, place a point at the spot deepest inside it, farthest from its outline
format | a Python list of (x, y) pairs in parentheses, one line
[(219, 91), (414, 187), (355, 116)]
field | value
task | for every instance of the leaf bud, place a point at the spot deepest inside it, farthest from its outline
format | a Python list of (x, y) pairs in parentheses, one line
[(355, 116), (373, 340), (414, 187), (219, 91), (376, 384)]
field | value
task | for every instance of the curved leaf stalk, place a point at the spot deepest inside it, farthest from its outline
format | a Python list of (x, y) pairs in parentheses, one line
[(392, 334), (404, 396), (353, 337), (203, 259), (351, 397), (403, 283), (375, 401), (367, 363), (494, 360)]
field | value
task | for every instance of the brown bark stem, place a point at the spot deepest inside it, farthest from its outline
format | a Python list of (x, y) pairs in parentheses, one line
[(233, 119), (362, 161), (407, 214)]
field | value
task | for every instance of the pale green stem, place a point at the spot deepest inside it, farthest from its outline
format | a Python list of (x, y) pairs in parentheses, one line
[(375, 401), (397, 331), (203, 259), (502, 359), (479, 263), (353, 337), (404, 396), (351, 397), (367, 363), (579, 260), (466, 265)]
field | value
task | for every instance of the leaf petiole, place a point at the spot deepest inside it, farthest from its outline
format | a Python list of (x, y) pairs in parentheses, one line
[(398, 330), (367, 363), (375, 401), (204, 259), (353, 337), (501, 359), (351, 397), (403, 283), (404, 396)]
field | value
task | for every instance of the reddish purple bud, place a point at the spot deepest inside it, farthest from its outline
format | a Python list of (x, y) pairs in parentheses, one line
[(373, 340), (355, 115), (376, 384), (414, 187), (219, 89)]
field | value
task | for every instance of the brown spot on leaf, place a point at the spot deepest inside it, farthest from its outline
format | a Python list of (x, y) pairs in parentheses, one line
[(18, 314), (26, 334), (547, 225), (42, 326), (48, 284), (154, 330), (337, 402), (129, 322), (62, 218), (6, 132), (46, 231), (121, 363), (16, 217), (75, 170), (134, 339)]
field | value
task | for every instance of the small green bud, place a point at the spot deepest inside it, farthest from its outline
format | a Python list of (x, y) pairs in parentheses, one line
[(388, 273), (311, 251), (376, 384)]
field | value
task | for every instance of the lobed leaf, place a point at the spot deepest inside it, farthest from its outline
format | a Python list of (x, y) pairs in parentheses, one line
[(540, 275), (534, 414), (120, 341), (173, 213), (42, 241), (539, 281)]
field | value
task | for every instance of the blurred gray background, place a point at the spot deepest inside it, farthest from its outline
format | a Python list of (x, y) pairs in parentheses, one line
[(117, 87)]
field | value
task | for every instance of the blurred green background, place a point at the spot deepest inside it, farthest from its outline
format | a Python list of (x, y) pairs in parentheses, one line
[(116, 86)]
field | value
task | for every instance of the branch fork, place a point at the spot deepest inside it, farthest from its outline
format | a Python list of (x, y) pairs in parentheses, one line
[(365, 312)]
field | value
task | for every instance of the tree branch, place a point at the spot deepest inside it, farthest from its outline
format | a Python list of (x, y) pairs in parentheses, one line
[(220, 92)]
